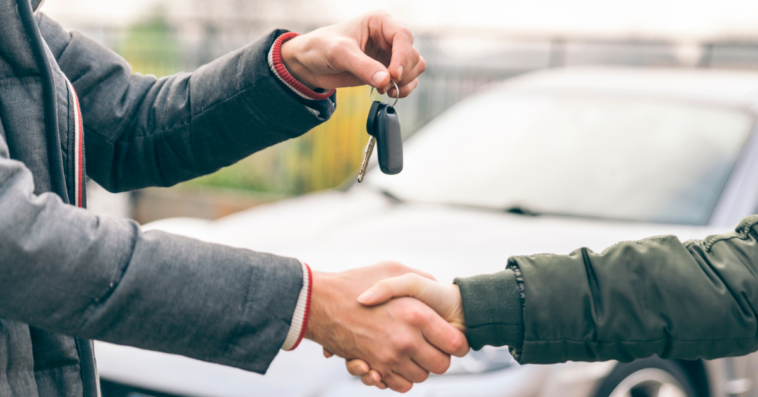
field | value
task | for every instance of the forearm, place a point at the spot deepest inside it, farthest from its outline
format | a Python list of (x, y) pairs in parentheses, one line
[(635, 299), (66, 270)]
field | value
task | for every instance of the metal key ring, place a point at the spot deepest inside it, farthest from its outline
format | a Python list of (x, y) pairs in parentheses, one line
[(397, 90)]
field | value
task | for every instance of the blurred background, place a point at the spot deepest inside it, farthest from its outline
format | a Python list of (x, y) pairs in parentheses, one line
[(467, 45), (577, 123)]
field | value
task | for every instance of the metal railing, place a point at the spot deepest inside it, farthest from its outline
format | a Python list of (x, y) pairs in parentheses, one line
[(330, 153)]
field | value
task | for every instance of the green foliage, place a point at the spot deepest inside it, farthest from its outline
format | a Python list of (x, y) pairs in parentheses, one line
[(151, 46)]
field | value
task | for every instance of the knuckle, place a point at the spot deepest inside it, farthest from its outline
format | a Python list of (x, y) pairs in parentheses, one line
[(414, 317), (421, 377), (407, 32), (388, 358), (403, 344), (441, 366), (457, 342), (422, 64)]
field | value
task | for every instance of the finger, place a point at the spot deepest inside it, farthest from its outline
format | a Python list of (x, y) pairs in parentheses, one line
[(396, 382), (328, 354), (357, 367), (369, 71), (403, 57), (432, 359), (444, 336), (406, 285), (372, 378), (414, 73), (404, 90), (411, 371), (381, 385)]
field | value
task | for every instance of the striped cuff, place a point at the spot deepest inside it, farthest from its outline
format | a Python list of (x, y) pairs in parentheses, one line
[(277, 66), (302, 310)]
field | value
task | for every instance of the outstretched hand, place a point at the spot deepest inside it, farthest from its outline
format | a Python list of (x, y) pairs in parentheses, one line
[(444, 299), (373, 49), (401, 341)]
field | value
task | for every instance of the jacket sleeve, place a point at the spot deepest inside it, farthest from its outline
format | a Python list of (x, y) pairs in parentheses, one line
[(634, 300), (65, 270), (141, 131)]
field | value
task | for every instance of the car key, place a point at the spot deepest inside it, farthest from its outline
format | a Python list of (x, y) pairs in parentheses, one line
[(383, 127), (371, 139)]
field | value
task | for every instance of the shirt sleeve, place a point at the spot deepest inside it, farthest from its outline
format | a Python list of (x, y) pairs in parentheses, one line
[(302, 311)]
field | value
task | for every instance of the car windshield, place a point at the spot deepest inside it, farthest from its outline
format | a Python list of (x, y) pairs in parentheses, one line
[(596, 155)]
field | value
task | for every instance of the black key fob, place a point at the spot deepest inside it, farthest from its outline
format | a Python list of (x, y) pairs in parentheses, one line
[(384, 125)]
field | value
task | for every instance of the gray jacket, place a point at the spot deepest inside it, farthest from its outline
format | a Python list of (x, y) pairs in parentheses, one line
[(67, 276)]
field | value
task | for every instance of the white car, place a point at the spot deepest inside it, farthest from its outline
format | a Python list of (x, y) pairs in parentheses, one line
[(548, 162)]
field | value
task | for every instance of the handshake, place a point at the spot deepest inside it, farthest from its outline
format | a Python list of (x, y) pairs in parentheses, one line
[(394, 325)]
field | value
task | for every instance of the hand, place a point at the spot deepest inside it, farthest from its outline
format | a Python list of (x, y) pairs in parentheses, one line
[(371, 49), (402, 341), (444, 299)]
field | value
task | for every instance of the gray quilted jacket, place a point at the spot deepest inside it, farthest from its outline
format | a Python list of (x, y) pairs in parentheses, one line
[(67, 276)]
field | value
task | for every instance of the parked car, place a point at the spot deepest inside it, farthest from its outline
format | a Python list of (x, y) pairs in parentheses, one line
[(547, 162)]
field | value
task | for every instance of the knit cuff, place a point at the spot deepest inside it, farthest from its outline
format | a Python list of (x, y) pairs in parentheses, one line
[(277, 66), (302, 311)]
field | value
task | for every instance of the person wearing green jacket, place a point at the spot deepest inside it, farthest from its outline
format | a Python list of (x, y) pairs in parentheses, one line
[(636, 299)]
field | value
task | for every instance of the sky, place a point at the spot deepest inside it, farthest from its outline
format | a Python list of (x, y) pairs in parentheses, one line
[(683, 20)]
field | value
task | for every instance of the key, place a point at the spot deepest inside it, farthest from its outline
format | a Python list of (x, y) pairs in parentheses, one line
[(366, 157), (370, 122), (383, 126)]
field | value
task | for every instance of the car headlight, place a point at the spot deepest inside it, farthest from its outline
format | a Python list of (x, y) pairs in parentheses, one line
[(486, 360)]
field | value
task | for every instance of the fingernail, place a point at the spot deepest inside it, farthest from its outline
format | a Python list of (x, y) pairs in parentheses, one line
[(366, 296), (379, 77), (362, 368), (375, 377), (400, 73)]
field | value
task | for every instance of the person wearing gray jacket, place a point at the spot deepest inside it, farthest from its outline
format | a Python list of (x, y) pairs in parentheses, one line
[(71, 109)]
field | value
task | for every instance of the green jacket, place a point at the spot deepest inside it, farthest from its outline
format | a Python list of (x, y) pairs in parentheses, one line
[(633, 300)]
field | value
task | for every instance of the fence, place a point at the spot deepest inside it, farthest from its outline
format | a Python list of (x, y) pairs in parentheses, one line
[(332, 152)]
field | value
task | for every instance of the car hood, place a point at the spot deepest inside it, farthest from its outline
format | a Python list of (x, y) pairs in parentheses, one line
[(334, 231)]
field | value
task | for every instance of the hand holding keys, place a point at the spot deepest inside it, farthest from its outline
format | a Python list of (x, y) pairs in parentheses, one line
[(384, 128)]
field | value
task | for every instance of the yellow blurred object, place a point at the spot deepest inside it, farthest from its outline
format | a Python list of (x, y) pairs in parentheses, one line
[(321, 159)]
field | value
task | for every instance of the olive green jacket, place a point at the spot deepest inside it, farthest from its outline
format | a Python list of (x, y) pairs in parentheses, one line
[(633, 300)]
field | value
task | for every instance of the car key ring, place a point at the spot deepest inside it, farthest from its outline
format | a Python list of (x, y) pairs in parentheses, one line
[(397, 97), (383, 128)]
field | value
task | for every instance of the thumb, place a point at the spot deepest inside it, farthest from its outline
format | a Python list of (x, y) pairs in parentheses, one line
[(365, 68), (406, 285)]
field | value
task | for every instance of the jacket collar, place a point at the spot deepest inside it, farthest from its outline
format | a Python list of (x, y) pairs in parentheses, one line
[(36, 4)]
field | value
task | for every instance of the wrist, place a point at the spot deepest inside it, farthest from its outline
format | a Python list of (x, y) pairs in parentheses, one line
[(319, 309), (281, 71), (457, 319), (291, 50)]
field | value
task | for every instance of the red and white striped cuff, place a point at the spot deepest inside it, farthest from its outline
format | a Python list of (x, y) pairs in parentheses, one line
[(302, 310), (277, 66)]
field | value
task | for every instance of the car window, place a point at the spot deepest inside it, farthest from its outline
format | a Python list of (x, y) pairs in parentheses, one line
[(572, 153)]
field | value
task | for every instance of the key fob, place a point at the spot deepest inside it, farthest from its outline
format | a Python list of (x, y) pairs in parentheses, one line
[(389, 140), (371, 121)]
